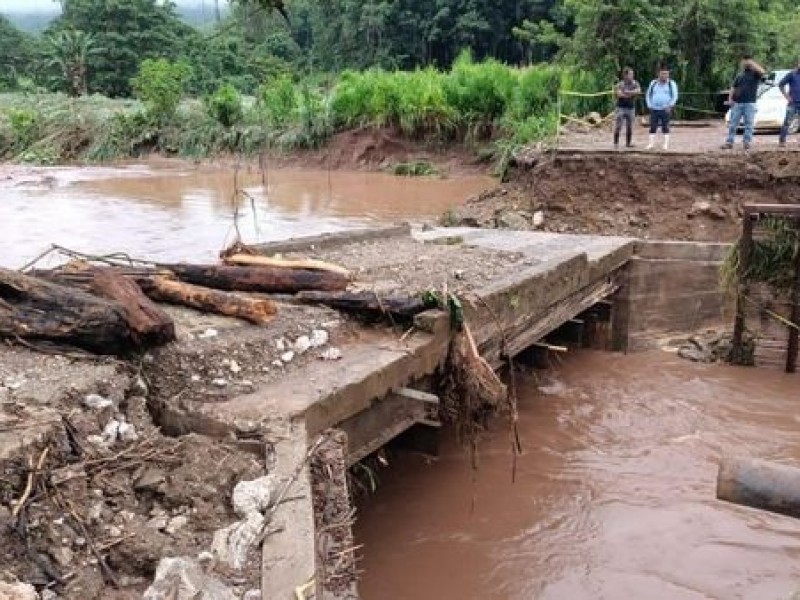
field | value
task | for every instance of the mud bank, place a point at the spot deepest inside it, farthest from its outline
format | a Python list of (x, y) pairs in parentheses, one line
[(683, 196)]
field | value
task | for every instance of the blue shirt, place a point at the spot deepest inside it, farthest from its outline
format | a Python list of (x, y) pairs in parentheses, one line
[(792, 79), (661, 96)]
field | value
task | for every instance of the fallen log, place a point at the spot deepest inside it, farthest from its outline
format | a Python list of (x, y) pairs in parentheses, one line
[(34, 309), (258, 279), (149, 325), (760, 484), (367, 304), (255, 310), (252, 260)]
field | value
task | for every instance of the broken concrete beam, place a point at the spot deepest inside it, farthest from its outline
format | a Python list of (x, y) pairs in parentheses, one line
[(760, 484)]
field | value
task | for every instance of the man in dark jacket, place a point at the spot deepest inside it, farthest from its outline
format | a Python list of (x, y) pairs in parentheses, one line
[(626, 91), (791, 81), (742, 98)]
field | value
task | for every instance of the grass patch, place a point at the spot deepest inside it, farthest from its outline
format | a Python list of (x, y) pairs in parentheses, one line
[(417, 168)]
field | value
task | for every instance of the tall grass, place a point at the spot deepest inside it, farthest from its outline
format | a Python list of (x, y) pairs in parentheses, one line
[(473, 102)]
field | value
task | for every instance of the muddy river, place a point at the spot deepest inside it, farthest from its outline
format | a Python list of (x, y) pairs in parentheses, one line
[(614, 497), (168, 211)]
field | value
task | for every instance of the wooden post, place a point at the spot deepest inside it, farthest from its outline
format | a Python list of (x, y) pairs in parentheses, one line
[(745, 246), (794, 334)]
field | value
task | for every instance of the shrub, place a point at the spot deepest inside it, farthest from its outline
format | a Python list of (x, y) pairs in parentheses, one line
[(25, 124), (160, 84), (225, 105)]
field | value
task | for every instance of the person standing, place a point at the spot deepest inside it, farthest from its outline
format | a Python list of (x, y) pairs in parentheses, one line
[(661, 97), (792, 81), (742, 98), (626, 91)]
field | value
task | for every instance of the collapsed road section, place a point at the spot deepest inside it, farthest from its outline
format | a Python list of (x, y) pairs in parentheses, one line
[(216, 464)]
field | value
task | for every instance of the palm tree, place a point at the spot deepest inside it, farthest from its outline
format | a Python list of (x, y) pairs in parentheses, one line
[(69, 50)]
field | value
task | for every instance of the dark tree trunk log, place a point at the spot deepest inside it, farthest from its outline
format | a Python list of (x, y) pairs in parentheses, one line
[(31, 308), (150, 326), (259, 279), (760, 484), (255, 310), (367, 304)]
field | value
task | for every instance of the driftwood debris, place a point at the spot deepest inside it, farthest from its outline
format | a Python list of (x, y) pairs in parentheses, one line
[(150, 326), (31, 308), (252, 260), (367, 304), (259, 279), (255, 310), (760, 484)]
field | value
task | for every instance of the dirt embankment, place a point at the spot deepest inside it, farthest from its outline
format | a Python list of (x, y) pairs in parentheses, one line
[(646, 195)]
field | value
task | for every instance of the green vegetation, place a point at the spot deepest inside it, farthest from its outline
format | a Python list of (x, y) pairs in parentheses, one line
[(477, 72), (417, 168)]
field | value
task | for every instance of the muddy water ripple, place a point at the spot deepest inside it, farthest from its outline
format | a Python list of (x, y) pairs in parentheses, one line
[(168, 211), (614, 497)]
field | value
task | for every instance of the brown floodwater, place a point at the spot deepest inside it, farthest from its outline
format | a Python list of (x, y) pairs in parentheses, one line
[(170, 211), (614, 497)]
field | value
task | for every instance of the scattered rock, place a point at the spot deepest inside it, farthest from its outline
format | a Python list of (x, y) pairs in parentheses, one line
[(209, 333), (331, 354), (184, 579), (252, 595), (159, 522), (512, 220), (17, 591), (254, 496), (538, 219), (706, 208), (594, 118), (692, 353), (234, 367), (232, 544), (97, 402), (280, 344), (150, 480), (126, 431), (176, 524), (319, 337), (288, 356), (302, 344)]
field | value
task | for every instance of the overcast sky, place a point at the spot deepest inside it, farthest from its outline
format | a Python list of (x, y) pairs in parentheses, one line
[(49, 5)]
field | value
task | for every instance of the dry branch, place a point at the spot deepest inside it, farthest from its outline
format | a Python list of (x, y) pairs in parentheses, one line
[(255, 310), (259, 279), (252, 260)]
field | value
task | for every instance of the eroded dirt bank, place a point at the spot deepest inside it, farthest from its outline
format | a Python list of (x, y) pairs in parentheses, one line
[(646, 195)]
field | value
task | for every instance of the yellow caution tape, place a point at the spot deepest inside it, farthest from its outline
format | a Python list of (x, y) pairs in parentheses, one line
[(585, 95)]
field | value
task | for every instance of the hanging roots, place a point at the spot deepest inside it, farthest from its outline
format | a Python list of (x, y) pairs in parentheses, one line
[(471, 391)]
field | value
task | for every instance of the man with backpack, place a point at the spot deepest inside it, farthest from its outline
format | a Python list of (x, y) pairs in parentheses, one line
[(626, 91), (742, 98), (661, 97)]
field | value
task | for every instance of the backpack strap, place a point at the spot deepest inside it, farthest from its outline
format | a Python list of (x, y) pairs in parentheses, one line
[(650, 89)]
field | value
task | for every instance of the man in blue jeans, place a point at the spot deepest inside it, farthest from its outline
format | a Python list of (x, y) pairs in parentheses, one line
[(742, 98), (661, 96), (792, 81)]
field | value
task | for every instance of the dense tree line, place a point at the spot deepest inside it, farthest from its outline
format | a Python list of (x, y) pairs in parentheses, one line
[(97, 45)]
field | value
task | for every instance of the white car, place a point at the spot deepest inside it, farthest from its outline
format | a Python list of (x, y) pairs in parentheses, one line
[(771, 105)]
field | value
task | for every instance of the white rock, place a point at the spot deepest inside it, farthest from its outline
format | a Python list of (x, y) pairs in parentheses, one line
[(184, 579), (110, 432), (97, 402), (48, 595), (176, 524), (17, 591), (302, 344), (232, 544), (280, 344), (96, 512), (254, 496), (141, 385), (220, 382), (234, 367), (287, 357), (331, 354), (158, 523), (195, 377), (252, 595), (319, 337), (127, 432), (13, 385), (208, 333), (277, 363), (538, 218)]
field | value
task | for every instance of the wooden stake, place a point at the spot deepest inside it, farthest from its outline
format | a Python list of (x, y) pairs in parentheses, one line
[(794, 334), (745, 246)]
